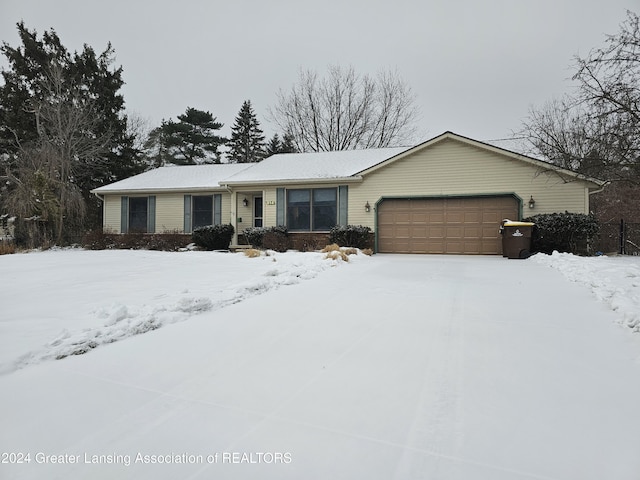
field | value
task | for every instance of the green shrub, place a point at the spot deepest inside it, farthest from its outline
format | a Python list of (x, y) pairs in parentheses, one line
[(356, 236), (564, 232), (213, 237), (276, 238), (169, 241), (254, 235)]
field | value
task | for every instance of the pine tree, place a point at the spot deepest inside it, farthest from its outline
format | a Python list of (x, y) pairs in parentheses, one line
[(287, 145), (274, 145), (190, 141), (247, 139)]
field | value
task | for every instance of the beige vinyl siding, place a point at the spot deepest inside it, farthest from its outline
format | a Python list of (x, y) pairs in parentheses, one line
[(270, 207), (225, 208), (111, 213), (169, 210), (244, 213), (455, 168)]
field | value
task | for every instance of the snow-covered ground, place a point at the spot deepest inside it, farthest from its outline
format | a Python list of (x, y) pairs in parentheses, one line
[(201, 365), (61, 303), (613, 280)]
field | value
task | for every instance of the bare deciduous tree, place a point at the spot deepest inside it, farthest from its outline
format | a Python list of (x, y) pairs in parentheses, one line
[(609, 77), (344, 111), (45, 182), (597, 130)]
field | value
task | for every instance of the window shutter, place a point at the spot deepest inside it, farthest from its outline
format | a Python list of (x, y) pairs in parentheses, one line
[(124, 214), (217, 209), (187, 214), (280, 206), (343, 201), (151, 214)]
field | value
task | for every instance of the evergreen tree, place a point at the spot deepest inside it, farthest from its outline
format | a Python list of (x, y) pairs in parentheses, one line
[(46, 90), (276, 145), (287, 145), (247, 139), (190, 141)]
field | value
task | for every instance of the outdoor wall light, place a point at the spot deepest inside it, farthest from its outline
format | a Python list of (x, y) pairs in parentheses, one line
[(245, 202), (532, 202), (367, 207)]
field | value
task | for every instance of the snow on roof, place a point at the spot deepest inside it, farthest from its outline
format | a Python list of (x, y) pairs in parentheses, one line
[(315, 165), (176, 178), (280, 167)]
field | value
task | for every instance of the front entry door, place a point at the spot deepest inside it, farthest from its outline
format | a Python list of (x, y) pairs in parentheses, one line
[(257, 211)]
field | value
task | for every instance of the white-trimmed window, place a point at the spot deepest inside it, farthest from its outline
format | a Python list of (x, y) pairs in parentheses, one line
[(202, 210), (138, 214), (312, 209)]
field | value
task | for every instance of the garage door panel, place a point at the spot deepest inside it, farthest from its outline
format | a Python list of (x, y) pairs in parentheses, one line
[(473, 217), (435, 232), (402, 217), (420, 217), (444, 225), (455, 217), (472, 232), (473, 248), (435, 218), (454, 232), (435, 247), (454, 247), (492, 231)]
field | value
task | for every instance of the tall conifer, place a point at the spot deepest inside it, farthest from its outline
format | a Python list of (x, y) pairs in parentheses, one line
[(247, 139)]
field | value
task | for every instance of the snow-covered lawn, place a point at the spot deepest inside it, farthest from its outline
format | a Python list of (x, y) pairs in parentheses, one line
[(204, 365), (61, 303)]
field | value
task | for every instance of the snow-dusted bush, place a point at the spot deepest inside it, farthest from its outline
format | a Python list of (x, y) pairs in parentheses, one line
[(167, 241), (213, 237), (563, 232), (276, 238), (255, 235), (357, 236)]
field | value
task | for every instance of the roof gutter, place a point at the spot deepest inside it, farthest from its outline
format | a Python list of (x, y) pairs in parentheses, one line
[(598, 190), (97, 195), (157, 190), (293, 181)]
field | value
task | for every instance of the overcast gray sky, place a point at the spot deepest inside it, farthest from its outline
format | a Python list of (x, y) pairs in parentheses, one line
[(475, 66)]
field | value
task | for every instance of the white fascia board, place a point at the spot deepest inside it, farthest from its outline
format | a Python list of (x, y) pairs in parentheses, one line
[(295, 181)]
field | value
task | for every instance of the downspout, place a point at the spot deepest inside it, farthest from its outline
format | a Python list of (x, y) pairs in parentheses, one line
[(591, 192)]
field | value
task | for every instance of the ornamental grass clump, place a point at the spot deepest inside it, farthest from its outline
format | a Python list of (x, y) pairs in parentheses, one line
[(331, 248), (252, 253), (336, 255)]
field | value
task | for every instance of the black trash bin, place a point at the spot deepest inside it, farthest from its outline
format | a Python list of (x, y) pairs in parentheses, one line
[(516, 239)]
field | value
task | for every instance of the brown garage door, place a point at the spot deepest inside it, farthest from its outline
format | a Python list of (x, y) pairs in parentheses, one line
[(466, 225)]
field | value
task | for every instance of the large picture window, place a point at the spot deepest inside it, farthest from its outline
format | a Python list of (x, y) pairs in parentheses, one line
[(312, 209), (324, 208), (202, 210)]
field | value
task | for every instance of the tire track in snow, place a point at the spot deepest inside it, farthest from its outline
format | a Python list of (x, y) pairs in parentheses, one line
[(438, 424)]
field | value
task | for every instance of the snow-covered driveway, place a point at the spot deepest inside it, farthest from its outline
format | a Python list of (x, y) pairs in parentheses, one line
[(390, 367)]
